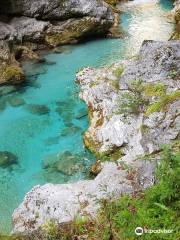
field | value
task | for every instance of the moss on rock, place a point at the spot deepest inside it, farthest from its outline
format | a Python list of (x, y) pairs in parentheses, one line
[(112, 2), (162, 103), (75, 30), (11, 74)]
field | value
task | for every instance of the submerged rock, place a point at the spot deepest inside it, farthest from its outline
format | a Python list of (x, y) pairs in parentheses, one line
[(82, 113), (38, 109), (65, 163), (52, 140), (70, 130), (4, 90), (16, 101), (7, 159), (2, 105)]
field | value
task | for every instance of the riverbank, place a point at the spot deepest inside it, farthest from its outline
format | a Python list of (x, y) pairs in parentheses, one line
[(27, 26), (96, 53), (117, 123)]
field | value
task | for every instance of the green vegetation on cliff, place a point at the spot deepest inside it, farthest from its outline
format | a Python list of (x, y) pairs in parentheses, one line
[(112, 2), (11, 74), (153, 209)]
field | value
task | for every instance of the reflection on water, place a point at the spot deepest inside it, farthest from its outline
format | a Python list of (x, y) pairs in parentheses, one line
[(42, 124)]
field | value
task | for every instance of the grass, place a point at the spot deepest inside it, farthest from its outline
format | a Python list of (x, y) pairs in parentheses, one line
[(162, 103), (151, 90), (137, 98)]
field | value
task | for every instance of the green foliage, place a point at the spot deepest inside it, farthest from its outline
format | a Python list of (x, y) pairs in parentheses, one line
[(132, 101), (113, 155), (158, 89), (112, 2), (173, 74), (155, 208), (118, 72), (162, 103), (136, 99), (50, 230)]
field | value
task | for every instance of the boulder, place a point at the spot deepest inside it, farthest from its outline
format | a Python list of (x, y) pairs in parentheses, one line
[(7, 159), (70, 20), (56, 10), (16, 101), (37, 109), (29, 29)]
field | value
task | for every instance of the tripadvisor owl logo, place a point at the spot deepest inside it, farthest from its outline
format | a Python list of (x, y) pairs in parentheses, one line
[(139, 231)]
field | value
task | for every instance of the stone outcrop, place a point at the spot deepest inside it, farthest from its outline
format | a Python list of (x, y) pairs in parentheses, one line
[(147, 119), (33, 20), (64, 202), (10, 71), (29, 25), (116, 125)]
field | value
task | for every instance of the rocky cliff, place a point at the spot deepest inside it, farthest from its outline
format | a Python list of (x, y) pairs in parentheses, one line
[(133, 109), (27, 25)]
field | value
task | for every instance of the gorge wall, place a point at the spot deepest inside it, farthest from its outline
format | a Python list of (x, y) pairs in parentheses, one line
[(30, 25)]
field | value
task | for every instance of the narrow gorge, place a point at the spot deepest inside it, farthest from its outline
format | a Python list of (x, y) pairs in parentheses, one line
[(89, 97)]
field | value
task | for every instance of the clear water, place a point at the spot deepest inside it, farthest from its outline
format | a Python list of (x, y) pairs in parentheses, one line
[(34, 138)]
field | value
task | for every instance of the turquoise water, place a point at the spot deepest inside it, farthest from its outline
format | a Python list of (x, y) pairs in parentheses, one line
[(48, 123)]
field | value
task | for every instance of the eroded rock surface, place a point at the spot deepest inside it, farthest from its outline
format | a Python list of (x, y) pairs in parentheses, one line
[(63, 202), (41, 20), (26, 26), (143, 131)]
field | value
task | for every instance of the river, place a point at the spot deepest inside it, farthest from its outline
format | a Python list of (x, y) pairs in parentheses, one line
[(49, 119)]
